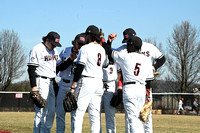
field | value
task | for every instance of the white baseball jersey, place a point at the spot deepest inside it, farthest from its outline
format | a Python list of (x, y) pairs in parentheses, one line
[(151, 51), (91, 56), (147, 49), (135, 66), (110, 72), (44, 60), (68, 73)]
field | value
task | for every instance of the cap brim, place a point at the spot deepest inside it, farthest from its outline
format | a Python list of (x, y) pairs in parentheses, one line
[(57, 44), (81, 42), (124, 40)]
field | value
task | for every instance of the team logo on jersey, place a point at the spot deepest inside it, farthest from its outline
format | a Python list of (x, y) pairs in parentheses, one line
[(32, 59), (50, 57), (146, 53)]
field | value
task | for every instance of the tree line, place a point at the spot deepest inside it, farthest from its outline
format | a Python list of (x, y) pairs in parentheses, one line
[(180, 73)]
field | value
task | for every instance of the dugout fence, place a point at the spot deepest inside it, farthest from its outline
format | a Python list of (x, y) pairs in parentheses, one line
[(167, 103)]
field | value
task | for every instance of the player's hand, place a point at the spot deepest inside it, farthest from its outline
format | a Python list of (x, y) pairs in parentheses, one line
[(73, 56), (72, 90), (74, 84), (101, 33), (154, 72), (112, 37), (35, 88)]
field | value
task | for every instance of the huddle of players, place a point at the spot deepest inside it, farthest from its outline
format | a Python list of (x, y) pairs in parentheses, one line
[(82, 68)]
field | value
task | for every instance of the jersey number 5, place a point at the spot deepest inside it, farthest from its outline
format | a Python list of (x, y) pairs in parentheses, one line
[(137, 69), (99, 59)]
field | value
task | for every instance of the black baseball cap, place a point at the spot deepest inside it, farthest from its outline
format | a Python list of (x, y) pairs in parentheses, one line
[(127, 33), (92, 30), (134, 40), (54, 38), (80, 38)]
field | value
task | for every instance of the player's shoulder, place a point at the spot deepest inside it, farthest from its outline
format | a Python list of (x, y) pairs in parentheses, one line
[(146, 44), (121, 48), (66, 49), (141, 56), (38, 47)]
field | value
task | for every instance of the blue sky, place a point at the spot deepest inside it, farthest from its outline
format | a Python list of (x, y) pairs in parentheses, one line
[(33, 19)]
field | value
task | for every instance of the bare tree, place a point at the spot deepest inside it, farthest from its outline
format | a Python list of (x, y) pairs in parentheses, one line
[(183, 56), (12, 58)]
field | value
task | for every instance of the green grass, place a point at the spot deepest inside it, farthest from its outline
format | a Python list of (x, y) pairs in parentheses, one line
[(22, 122)]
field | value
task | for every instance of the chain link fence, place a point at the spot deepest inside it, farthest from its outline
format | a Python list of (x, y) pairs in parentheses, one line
[(165, 103)]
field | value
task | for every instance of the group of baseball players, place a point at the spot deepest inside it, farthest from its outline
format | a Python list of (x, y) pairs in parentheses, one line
[(93, 72)]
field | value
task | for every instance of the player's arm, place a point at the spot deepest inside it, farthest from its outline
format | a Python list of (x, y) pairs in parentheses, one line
[(31, 72), (120, 80), (66, 63), (77, 75), (111, 37), (108, 51), (159, 62), (148, 87)]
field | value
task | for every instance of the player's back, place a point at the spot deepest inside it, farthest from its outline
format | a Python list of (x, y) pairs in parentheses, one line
[(151, 51), (135, 67), (93, 57)]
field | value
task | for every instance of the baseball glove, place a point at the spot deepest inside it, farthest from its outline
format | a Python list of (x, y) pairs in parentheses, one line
[(116, 99), (145, 111), (38, 100), (69, 103)]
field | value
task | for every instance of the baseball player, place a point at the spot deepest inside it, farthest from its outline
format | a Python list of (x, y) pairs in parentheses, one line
[(109, 80), (195, 106), (89, 73), (67, 76), (136, 69), (180, 106), (42, 71), (157, 59)]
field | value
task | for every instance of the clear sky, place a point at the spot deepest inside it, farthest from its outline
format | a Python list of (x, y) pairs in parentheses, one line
[(33, 19)]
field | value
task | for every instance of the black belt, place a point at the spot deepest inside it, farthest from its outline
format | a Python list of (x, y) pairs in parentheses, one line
[(51, 79), (127, 83), (88, 76), (66, 81)]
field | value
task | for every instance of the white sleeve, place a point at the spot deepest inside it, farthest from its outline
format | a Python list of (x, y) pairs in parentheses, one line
[(61, 57), (56, 53), (116, 56), (106, 62), (156, 52), (82, 56), (150, 75), (33, 59)]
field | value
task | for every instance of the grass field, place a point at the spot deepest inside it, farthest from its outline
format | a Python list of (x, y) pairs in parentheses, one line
[(22, 122)]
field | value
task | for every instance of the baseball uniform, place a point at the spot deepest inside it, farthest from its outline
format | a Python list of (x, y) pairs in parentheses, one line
[(152, 53), (93, 57), (64, 86), (109, 80), (67, 75), (136, 69), (45, 62)]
